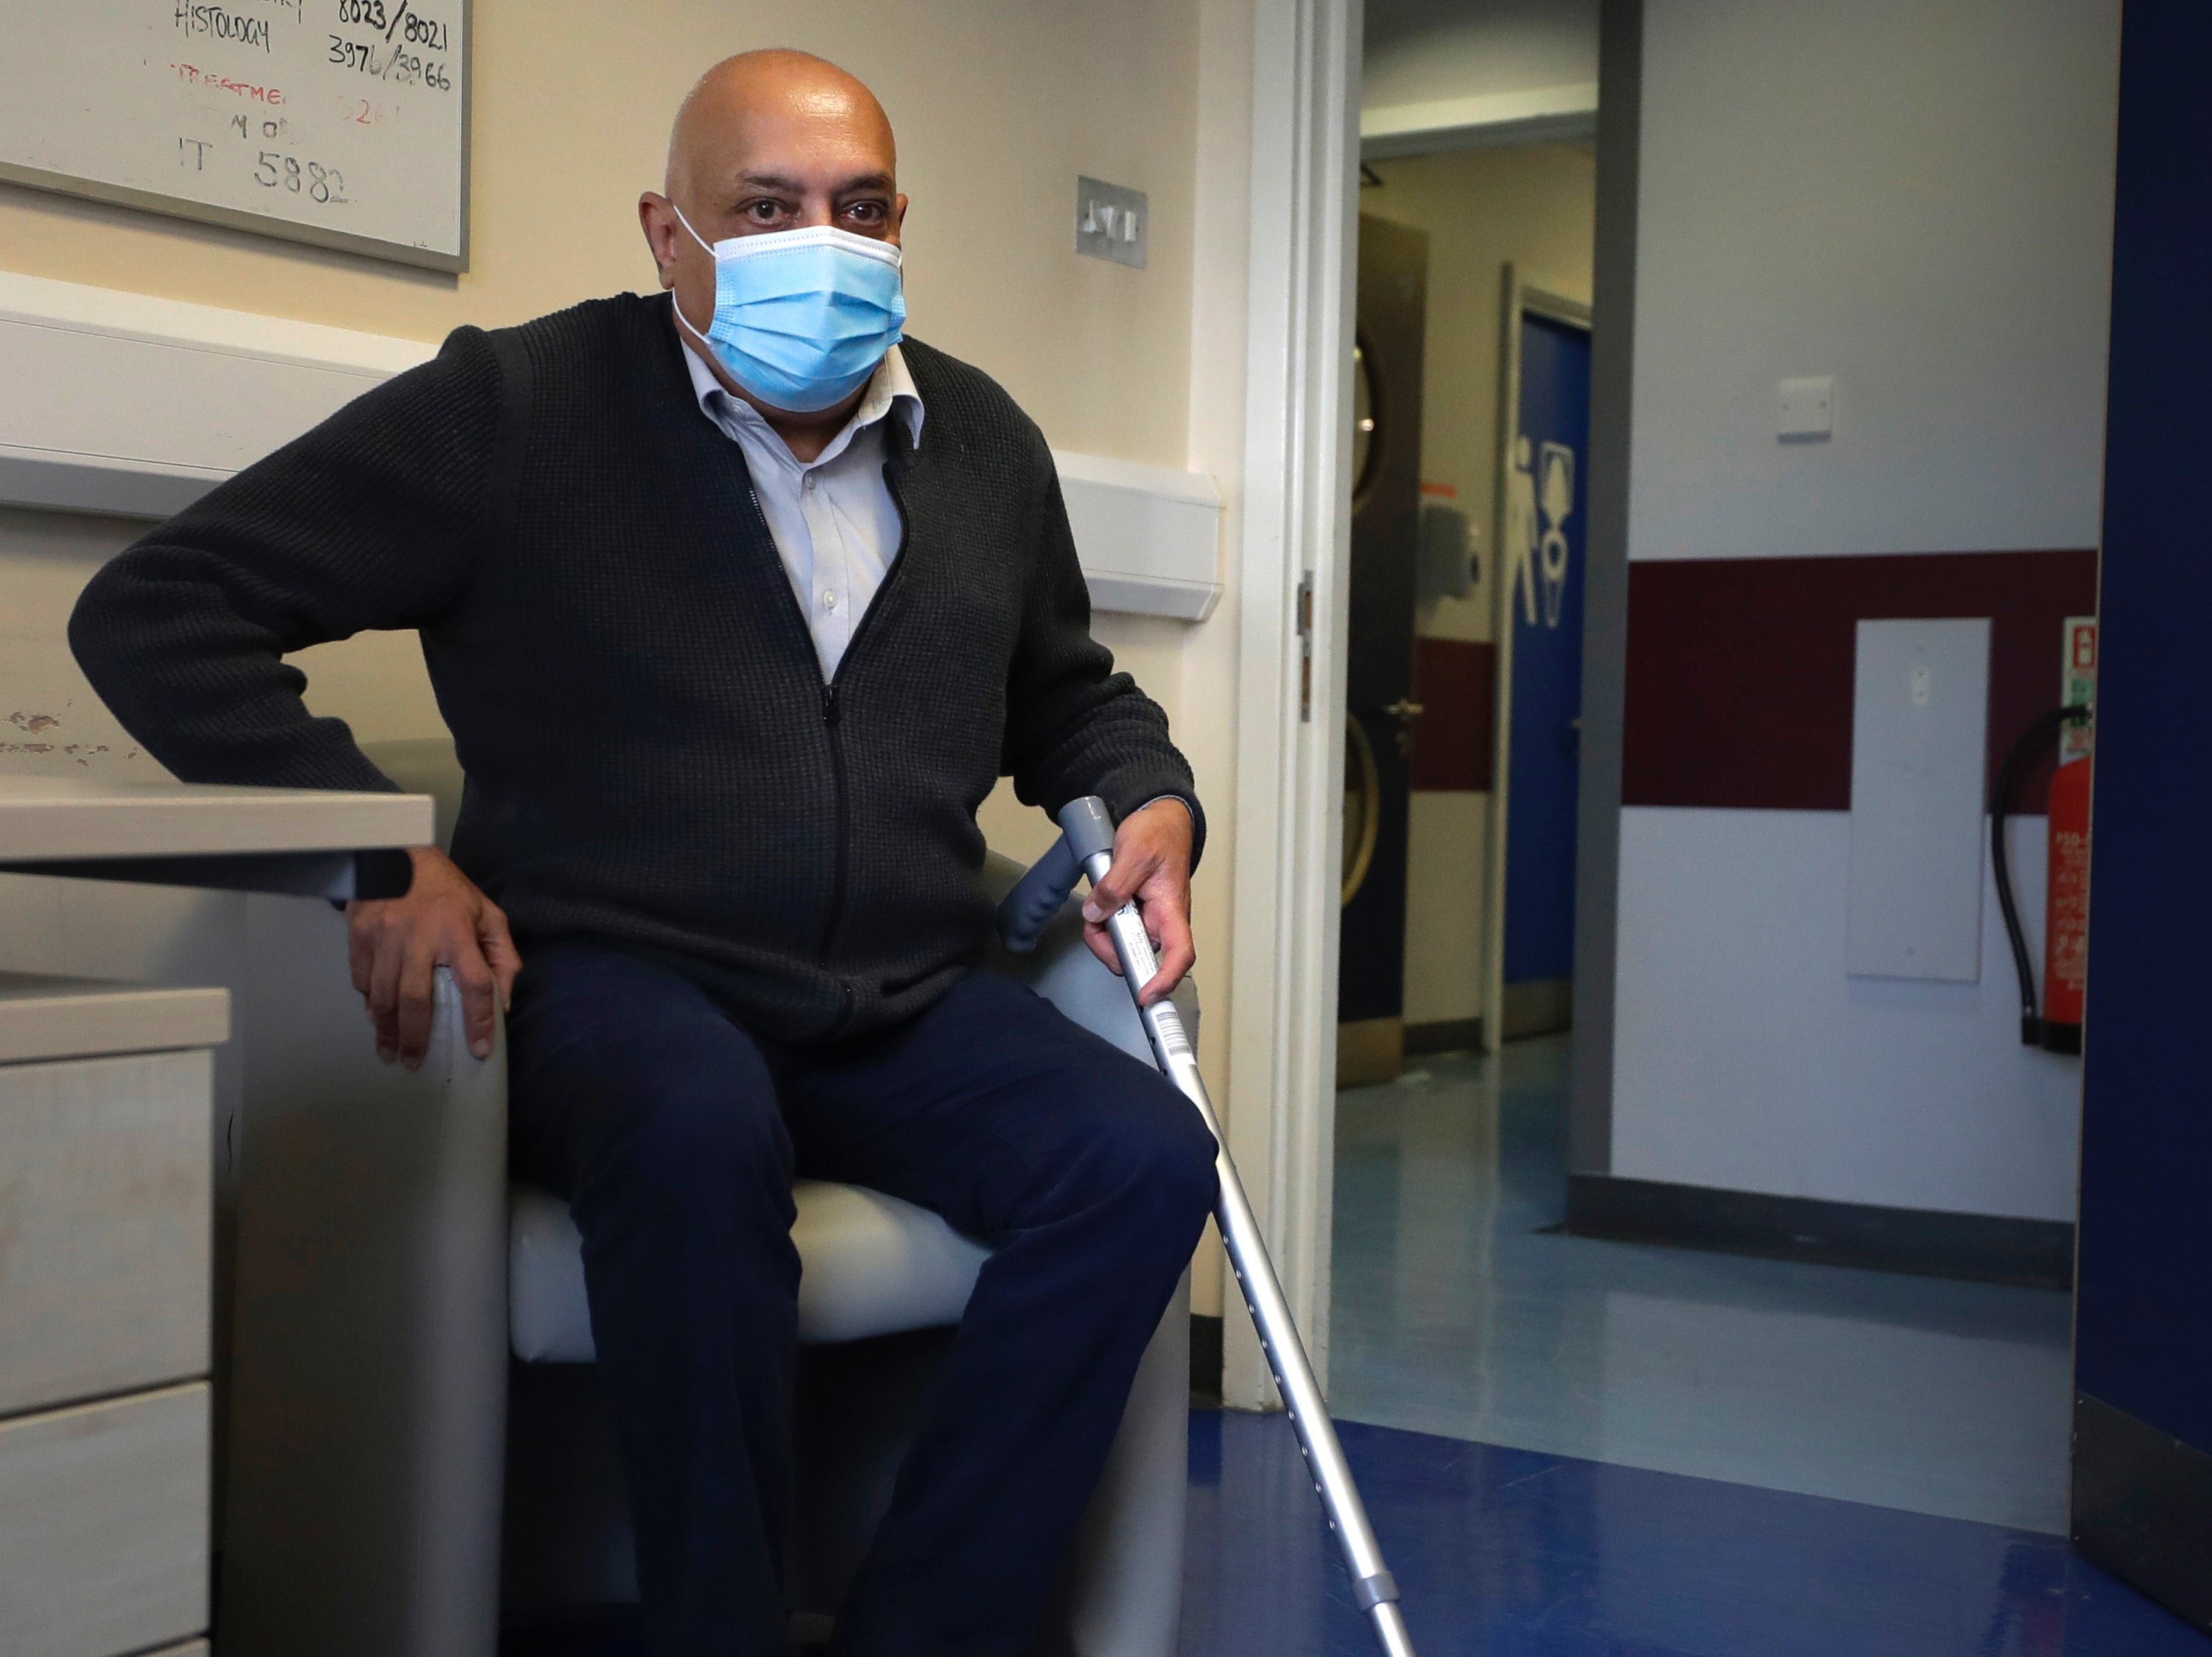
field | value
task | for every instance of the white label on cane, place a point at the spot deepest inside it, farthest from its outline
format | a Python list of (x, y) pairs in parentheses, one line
[(1142, 961), (1169, 1023)]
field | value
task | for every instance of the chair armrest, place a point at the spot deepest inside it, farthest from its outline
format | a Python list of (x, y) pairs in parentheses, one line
[(368, 1350)]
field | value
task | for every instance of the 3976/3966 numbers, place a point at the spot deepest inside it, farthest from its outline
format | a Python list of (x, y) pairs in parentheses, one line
[(392, 64), (319, 184)]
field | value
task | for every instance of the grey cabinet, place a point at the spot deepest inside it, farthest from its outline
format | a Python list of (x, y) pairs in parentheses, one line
[(105, 1200)]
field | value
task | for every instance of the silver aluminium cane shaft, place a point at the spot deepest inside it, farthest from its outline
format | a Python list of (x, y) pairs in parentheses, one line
[(1372, 1583)]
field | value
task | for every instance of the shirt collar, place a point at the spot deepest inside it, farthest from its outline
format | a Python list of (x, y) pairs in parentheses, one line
[(891, 389)]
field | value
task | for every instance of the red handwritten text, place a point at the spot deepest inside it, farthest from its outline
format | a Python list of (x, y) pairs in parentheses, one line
[(200, 77)]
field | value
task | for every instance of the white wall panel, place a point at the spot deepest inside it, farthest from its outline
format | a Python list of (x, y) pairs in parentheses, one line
[(1745, 1059), (1920, 721)]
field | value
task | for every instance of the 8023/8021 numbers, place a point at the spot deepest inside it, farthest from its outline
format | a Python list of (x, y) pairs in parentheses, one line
[(323, 185), (404, 21)]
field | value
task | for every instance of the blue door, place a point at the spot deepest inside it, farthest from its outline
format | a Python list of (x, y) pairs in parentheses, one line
[(2142, 1318), (1548, 492)]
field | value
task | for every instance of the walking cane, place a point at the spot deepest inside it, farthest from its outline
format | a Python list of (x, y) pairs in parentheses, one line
[(1086, 847)]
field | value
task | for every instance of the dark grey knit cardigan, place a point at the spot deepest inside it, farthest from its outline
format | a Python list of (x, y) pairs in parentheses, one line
[(653, 760)]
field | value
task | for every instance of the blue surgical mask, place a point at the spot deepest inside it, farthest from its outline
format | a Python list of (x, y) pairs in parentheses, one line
[(801, 317)]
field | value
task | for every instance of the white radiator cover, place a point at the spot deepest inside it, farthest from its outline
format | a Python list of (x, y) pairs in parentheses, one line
[(135, 406)]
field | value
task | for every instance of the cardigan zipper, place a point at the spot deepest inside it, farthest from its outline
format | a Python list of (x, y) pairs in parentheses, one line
[(835, 916), (832, 719)]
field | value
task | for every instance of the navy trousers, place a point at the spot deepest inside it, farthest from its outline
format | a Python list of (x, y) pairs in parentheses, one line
[(676, 1135)]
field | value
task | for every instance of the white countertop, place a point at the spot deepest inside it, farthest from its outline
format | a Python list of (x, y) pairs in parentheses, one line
[(50, 818)]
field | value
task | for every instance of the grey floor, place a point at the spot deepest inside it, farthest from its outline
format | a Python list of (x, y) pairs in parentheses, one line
[(1457, 1312)]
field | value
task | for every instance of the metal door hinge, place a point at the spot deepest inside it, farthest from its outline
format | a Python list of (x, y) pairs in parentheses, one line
[(1305, 650)]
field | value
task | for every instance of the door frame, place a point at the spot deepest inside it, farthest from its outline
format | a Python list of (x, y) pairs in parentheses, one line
[(1295, 529), (1522, 296), (1294, 563)]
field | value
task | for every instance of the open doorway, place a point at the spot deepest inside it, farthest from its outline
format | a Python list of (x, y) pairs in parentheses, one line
[(1471, 465), (1470, 444), (1471, 1299)]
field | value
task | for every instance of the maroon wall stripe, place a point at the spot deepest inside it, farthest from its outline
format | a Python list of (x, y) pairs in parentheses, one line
[(1455, 682), (1739, 669)]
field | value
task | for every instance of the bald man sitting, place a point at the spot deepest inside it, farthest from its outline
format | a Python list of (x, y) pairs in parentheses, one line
[(737, 605)]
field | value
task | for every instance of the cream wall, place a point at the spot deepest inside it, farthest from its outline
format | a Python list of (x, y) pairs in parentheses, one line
[(51, 722), (1532, 207), (997, 109), (998, 105), (1421, 51)]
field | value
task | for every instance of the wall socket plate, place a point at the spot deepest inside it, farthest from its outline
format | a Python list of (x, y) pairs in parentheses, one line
[(1111, 222), (1805, 408)]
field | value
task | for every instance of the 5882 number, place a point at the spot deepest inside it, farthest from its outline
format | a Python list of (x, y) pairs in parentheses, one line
[(319, 184)]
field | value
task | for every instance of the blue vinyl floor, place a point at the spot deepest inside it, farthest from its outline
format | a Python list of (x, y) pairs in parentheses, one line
[(1515, 1553), (1572, 1447)]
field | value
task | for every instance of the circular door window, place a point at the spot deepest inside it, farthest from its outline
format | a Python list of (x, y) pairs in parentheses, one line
[(1363, 807), (1367, 416)]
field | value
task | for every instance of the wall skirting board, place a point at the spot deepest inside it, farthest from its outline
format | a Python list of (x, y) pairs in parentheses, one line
[(1444, 1036), (2142, 1507), (144, 405), (1985, 1248), (1205, 1358)]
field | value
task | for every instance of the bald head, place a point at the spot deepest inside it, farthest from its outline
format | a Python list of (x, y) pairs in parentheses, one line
[(768, 141), (778, 102)]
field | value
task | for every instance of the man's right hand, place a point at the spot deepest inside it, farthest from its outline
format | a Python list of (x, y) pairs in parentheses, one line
[(396, 944)]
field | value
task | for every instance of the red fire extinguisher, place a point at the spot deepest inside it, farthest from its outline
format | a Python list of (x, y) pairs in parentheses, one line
[(2057, 1026), (2066, 908)]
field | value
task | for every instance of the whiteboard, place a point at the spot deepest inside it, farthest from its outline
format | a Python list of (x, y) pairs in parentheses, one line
[(343, 122)]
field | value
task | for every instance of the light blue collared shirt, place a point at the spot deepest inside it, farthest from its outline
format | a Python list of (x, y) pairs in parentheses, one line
[(835, 526)]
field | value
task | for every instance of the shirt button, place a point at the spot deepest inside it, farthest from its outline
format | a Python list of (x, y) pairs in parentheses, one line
[(830, 598), (809, 482)]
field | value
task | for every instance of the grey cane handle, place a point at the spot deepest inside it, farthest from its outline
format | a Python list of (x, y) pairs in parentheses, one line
[(1088, 827)]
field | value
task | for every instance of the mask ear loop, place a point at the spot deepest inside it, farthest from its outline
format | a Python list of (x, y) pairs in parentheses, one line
[(674, 303)]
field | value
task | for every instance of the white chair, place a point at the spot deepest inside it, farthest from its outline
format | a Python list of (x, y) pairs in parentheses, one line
[(382, 1272)]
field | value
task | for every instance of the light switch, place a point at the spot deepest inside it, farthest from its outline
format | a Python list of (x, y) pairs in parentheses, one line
[(1111, 222), (1808, 409)]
